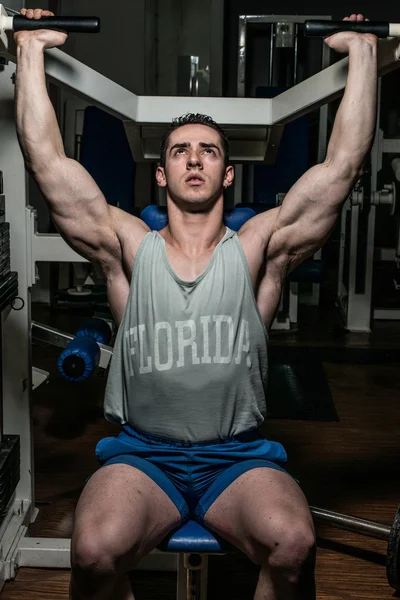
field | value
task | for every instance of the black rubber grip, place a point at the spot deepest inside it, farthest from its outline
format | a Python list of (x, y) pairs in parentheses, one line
[(67, 24), (324, 28)]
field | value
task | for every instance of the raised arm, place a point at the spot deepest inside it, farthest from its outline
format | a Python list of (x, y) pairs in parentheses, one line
[(78, 207), (310, 209)]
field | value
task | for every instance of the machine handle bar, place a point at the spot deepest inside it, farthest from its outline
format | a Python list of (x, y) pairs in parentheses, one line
[(382, 29), (66, 24)]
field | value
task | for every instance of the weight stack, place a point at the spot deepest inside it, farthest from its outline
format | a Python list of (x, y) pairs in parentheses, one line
[(9, 471), (9, 444), (8, 280)]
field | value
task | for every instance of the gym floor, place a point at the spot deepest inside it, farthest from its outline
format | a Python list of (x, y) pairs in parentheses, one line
[(348, 466)]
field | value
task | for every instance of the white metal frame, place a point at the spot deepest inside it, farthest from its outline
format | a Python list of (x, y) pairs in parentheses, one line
[(312, 299), (28, 247), (356, 307), (323, 87)]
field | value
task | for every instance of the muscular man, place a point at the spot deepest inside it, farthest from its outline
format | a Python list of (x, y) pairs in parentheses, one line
[(193, 303)]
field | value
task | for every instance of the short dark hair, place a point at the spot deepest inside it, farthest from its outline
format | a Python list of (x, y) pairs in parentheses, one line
[(193, 119)]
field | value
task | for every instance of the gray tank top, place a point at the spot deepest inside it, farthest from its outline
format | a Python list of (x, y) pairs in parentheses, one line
[(190, 357)]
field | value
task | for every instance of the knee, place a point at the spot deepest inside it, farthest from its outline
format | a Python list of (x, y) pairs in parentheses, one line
[(292, 551), (100, 552), (90, 556)]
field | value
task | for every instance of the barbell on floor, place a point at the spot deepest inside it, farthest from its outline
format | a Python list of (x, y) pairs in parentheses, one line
[(380, 531)]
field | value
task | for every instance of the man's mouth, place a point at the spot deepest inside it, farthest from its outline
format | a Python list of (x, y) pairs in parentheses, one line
[(194, 180)]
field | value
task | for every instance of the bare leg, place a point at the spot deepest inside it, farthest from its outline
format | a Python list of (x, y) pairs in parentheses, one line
[(121, 516), (265, 514)]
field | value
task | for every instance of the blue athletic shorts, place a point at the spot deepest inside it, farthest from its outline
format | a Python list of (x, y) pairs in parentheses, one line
[(193, 475)]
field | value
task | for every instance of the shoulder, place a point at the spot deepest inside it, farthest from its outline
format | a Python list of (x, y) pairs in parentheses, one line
[(254, 238), (265, 254), (129, 229), (130, 233), (257, 231)]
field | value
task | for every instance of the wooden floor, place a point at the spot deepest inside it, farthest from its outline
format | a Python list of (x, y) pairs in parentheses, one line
[(349, 466)]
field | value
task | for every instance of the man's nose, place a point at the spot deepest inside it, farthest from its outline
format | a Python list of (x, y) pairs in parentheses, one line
[(194, 161)]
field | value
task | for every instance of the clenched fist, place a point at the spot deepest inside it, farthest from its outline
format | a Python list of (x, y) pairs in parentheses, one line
[(47, 37), (341, 41)]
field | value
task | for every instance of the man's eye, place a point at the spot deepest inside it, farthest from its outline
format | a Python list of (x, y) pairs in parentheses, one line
[(210, 150), (179, 150)]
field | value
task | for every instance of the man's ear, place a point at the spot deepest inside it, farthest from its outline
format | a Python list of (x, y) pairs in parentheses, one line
[(229, 176), (160, 177)]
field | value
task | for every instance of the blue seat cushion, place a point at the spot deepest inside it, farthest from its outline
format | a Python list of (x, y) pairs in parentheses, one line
[(193, 537)]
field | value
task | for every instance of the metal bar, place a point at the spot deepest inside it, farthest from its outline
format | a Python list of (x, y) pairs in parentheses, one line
[(93, 87), (50, 247), (323, 112), (241, 73), (293, 301), (353, 308), (49, 335), (49, 553), (287, 18), (181, 579), (296, 50), (341, 291), (354, 524), (71, 74), (55, 553), (271, 55), (204, 578), (60, 339), (232, 111), (326, 85), (385, 254), (386, 314), (217, 11), (391, 146), (302, 98), (14, 526)]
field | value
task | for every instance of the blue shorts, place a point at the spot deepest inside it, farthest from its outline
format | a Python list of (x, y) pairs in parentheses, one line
[(193, 475)]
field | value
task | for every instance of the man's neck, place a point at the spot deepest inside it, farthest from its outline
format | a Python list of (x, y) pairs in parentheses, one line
[(194, 233)]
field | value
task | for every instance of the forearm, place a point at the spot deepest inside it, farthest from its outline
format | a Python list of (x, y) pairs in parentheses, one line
[(37, 125), (355, 122)]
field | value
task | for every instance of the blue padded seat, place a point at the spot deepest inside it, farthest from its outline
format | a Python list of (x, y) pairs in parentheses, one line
[(193, 537)]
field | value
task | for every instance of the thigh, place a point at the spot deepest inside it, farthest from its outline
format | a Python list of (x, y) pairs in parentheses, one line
[(259, 509), (124, 512)]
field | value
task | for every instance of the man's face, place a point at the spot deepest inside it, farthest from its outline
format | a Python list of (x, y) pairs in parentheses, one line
[(195, 171)]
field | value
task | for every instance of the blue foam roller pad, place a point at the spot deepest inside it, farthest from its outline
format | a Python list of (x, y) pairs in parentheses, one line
[(79, 358), (96, 328), (156, 217), (235, 218)]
